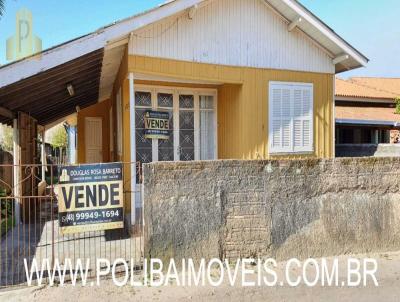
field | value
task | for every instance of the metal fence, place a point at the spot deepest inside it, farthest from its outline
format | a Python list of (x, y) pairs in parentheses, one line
[(37, 236)]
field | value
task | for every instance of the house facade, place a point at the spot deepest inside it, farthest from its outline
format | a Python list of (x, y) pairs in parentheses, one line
[(227, 79), (366, 118)]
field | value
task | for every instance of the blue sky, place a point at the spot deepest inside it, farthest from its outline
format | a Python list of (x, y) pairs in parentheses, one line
[(370, 26)]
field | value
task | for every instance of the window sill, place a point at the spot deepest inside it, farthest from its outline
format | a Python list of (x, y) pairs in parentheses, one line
[(291, 153)]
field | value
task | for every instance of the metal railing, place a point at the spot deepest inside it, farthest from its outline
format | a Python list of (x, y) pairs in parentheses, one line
[(29, 228)]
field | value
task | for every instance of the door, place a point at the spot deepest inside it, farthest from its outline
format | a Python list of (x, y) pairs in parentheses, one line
[(94, 139)]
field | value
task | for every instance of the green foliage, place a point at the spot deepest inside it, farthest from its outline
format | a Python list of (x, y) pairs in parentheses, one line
[(2, 7), (397, 100), (58, 137), (6, 212), (6, 138)]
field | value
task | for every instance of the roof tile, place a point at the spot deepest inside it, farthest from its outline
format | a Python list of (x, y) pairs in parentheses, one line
[(375, 88)]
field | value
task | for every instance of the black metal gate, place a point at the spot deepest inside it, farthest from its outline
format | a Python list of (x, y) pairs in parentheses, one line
[(37, 236)]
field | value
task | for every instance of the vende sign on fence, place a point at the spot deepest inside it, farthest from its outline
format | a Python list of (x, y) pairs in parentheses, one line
[(90, 198)]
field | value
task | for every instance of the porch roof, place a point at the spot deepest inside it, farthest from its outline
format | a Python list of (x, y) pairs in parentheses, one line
[(45, 96)]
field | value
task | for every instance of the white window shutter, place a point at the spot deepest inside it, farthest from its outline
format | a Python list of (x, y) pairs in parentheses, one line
[(308, 117), (275, 119), (286, 118), (291, 117), (302, 132)]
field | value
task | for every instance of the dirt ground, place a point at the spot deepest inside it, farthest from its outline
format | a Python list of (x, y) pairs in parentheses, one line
[(388, 276)]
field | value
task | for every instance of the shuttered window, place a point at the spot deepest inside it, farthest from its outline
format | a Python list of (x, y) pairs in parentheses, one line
[(290, 117)]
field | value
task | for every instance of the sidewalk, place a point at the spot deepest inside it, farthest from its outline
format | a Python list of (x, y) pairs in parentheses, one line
[(388, 276)]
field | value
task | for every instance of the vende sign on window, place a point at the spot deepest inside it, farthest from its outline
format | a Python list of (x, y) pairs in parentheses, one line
[(90, 198), (156, 124)]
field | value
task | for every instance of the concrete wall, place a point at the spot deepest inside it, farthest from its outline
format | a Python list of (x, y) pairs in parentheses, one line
[(358, 150), (271, 208)]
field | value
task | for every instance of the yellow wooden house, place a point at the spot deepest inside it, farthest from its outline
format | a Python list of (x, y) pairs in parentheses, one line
[(239, 79)]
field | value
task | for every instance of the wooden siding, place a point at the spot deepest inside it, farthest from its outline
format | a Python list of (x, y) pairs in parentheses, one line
[(244, 33), (243, 103)]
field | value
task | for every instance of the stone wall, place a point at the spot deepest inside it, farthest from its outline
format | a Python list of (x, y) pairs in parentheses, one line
[(280, 209)]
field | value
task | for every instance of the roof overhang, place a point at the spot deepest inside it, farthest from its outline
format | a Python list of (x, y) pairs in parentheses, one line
[(18, 79), (45, 96), (344, 56), (340, 98), (351, 122), (71, 50)]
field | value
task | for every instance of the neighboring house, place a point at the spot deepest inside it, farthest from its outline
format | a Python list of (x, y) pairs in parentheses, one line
[(238, 79), (365, 116)]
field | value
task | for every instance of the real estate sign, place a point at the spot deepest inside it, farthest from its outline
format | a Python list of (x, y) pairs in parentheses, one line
[(90, 198), (156, 124)]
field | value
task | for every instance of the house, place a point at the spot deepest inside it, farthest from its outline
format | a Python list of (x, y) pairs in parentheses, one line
[(366, 121), (189, 80)]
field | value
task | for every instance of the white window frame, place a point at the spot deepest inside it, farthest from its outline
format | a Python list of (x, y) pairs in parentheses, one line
[(176, 91), (290, 149)]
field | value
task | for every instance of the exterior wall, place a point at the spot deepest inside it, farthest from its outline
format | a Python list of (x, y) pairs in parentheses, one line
[(229, 121), (243, 103), (97, 110), (232, 32), (280, 209)]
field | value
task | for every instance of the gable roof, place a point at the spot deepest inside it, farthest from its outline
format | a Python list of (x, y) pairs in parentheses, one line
[(368, 88), (20, 76), (289, 9), (347, 56), (81, 46)]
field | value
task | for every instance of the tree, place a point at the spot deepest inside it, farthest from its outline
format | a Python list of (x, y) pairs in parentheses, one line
[(6, 138), (397, 100), (58, 136), (2, 7)]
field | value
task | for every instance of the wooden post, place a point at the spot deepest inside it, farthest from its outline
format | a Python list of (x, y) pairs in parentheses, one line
[(43, 155), (16, 172)]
